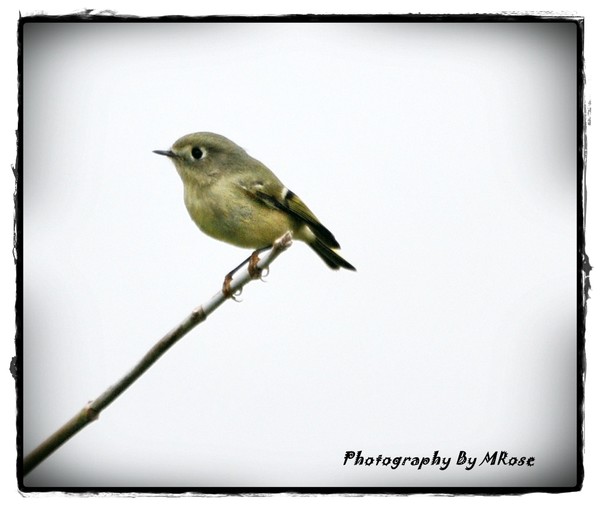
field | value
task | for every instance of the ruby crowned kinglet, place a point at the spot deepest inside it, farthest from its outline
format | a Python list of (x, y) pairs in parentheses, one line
[(235, 198)]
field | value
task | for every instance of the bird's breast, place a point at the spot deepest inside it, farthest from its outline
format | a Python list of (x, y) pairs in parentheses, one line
[(229, 215)]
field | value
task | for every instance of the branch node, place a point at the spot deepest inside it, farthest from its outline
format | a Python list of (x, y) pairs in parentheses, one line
[(198, 314), (284, 242), (90, 413)]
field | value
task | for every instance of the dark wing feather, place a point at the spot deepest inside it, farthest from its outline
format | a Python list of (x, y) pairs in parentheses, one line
[(292, 204)]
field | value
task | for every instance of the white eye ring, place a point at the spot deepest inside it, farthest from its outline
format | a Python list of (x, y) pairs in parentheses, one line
[(197, 153)]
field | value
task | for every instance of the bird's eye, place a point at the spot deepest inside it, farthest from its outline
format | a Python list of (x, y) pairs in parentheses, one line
[(197, 153)]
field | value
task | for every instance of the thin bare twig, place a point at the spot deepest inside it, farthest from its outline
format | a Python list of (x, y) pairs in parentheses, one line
[(92, 410)]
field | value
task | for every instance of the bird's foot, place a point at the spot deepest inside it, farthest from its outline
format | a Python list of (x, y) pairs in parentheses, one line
[(226, 289), (253, 270), (227, 285)]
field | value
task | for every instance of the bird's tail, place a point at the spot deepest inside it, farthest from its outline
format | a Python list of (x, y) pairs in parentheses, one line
[(329, 256)]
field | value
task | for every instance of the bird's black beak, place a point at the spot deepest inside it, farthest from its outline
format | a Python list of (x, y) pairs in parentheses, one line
[(168, 153)]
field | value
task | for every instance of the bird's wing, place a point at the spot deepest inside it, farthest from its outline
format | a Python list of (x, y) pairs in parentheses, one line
[(278, 197)]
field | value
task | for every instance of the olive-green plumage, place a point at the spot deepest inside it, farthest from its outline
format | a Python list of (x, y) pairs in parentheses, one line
[(235, 198)]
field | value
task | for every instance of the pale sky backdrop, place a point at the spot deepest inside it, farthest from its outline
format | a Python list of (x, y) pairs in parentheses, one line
[(443, 158)]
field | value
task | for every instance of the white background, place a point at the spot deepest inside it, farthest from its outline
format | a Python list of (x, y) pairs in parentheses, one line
[(440, 156)]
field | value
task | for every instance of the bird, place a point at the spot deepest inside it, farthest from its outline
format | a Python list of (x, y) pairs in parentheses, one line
[(235, 198)]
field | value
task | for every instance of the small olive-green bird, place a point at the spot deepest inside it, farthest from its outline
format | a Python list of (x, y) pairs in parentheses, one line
[(235, 198)]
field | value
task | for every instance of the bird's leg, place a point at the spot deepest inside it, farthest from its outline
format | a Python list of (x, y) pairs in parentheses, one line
[(253, 270)]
